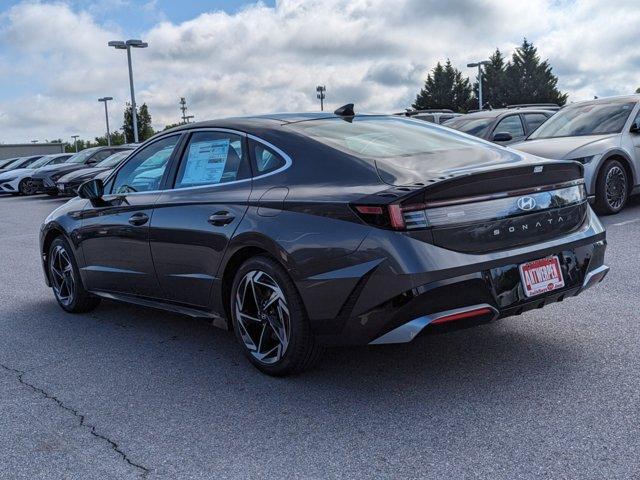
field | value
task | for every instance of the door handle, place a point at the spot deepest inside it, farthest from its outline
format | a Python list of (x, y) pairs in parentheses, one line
[(138, 219), (220, 219)]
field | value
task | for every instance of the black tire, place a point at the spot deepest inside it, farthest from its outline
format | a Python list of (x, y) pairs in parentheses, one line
[(74, 299), (301, 351), (612, 188), (23, 187)]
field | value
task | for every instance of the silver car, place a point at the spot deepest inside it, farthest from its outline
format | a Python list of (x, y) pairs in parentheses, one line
[(603, 135)]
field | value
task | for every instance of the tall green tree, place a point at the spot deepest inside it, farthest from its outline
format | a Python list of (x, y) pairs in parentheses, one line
[(145, 128), (494, 82), (117, 138), (445, 87), (530, 80)]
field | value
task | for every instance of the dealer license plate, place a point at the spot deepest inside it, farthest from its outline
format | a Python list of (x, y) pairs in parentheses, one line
[(541, 276)]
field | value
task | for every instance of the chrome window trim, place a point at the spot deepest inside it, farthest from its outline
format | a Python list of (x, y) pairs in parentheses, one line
[(286, 157)]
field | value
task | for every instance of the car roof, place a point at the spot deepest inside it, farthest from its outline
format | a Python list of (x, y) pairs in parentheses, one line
[(615, 99), (500, 111)]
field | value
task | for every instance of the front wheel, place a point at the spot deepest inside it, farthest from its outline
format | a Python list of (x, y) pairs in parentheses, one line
[(612, 188), (65, 279), (269, 319), (24, 187)]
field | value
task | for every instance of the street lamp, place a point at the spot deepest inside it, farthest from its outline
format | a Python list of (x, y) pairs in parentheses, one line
[(128, 45), (75, 140), (479, 65), (106, 116), (320, 93)]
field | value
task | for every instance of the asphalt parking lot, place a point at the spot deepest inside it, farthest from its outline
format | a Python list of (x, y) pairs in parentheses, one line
[(129, 392)]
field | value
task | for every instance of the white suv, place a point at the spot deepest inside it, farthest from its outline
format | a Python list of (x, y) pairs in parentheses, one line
[(603, 135)]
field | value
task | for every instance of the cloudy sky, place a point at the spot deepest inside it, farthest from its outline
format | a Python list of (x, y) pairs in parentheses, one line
[(231, 57)]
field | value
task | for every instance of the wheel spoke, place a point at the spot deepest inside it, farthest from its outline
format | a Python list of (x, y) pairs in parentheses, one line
[(262, 316)]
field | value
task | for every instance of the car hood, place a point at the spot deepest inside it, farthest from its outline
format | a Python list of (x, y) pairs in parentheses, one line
[(15, 173), (83, 172), (61, 168), (567, 147), (442, 165)]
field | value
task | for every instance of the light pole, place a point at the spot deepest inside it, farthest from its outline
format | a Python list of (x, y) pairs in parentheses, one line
[(75, 141), (479, 65), (106, 116), (128, 45), (320, 93)]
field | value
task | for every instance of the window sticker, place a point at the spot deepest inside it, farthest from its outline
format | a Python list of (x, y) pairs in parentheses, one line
[(206, 161)]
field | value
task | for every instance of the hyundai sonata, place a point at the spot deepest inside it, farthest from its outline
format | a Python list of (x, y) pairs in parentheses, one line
[(298, 231)]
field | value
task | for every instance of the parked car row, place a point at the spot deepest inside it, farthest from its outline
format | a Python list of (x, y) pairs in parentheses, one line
[(58, 174), (603, 135)]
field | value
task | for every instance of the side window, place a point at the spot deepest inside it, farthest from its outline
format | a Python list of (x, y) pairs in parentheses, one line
[(143, 172), (534, 120), (59, 160), (212, 158), (266, 159), (510, 124)]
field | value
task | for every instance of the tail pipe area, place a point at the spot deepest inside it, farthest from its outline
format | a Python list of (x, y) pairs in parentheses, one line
[(407, 332)]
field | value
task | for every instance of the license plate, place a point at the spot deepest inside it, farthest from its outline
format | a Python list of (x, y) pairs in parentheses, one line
[(541, 276)]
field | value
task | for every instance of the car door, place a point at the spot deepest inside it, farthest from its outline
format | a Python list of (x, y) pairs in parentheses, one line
[(194, 221), (511, 124), (114, 233)]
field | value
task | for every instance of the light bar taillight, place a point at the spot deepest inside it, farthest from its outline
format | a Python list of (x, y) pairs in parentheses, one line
[(395, 216)]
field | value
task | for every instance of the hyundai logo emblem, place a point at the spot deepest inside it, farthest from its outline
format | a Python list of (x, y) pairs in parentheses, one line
[(526, 203)]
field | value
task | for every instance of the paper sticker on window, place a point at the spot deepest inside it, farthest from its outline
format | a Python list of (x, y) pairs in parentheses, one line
[(206, 162)]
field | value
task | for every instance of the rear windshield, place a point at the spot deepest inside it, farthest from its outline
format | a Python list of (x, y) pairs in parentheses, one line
[(382, 137), (476, 126)]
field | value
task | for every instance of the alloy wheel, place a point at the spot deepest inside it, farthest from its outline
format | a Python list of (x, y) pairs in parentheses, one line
[(616, 187), (62, 276), (262, 315)]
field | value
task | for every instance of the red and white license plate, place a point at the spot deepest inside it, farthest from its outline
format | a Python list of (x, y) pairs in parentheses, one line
[(541, 276)]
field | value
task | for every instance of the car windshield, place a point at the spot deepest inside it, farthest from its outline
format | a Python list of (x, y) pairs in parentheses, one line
[(114, 159), (7, 162), (585, 119), (80, 157), (382, 137), (476, 126), (43, 161)]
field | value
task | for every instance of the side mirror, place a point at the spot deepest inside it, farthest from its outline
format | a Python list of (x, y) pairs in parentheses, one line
[(91, 161), (635, 126), (502, 137), (91, 189)]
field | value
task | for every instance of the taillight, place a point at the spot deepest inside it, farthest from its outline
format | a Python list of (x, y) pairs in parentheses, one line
[(394, 216)]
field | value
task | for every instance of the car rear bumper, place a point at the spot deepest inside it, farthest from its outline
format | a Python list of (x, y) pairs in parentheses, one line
[(392, 302)]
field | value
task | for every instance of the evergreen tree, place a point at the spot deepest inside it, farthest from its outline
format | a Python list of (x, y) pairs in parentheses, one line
[(145, 129), (445, 87), (530, 80), (494, 82)]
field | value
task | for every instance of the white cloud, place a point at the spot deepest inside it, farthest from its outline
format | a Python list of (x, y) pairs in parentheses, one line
[(261, 59)]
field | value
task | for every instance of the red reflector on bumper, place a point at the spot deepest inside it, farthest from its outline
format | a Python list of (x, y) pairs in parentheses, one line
[(460, 316)]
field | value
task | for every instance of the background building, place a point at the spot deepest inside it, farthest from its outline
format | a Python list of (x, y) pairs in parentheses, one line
[(26, 149)]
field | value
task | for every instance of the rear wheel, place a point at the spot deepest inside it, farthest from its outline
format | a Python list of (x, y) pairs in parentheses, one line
[(65, 279), (269, 319), (612, 188)]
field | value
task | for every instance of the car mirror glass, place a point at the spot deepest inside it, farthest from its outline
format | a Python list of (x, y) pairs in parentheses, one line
[(635, 126)]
